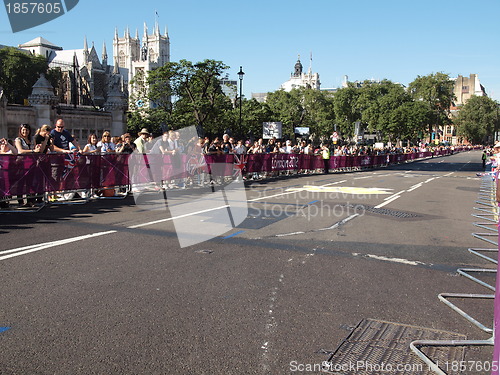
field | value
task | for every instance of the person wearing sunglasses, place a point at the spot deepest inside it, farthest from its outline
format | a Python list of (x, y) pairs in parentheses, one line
[(61, 138)]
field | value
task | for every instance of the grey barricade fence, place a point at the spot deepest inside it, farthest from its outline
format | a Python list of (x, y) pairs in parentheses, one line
[(46, 175), (488, 211)]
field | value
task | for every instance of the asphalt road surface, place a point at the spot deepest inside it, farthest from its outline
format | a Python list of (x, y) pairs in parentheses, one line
[(105, 288)]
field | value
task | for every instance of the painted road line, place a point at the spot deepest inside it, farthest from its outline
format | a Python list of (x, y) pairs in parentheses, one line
[(336, 225), (3, 329), (362, 178), (53, 244), (392, 260), (289, 234), (294, 191), (232, 235), (415, 187), (393, 195), (275, 195), (335, 183), (312, 202), (388, 201), (176, 217)]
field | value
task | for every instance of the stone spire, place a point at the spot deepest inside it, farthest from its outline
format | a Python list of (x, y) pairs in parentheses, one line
[(85, 51), (104, 54), (298, 68)]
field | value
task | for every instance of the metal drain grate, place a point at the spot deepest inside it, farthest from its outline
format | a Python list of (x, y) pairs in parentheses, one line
[(387, 212), (376, 347)]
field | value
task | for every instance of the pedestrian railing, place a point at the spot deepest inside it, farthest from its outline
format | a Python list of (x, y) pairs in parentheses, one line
[(490, 214)]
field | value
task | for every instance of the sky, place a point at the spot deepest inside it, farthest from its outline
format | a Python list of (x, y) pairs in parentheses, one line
[(397, 40)]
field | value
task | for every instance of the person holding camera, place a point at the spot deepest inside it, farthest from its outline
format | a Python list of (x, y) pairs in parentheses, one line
[(44, 139), (6, 148)]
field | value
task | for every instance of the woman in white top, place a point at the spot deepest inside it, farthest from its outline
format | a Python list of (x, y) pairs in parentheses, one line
[(107, 147), (91, 146), (23, 141), (25, 146)]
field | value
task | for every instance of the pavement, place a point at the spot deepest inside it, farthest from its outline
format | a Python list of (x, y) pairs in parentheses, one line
[(105, 288)]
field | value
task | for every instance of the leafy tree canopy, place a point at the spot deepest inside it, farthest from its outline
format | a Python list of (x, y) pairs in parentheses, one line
[(19, 71), (478, 119)]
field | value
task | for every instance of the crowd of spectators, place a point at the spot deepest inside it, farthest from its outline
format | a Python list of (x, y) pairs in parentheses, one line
[(59, 140)]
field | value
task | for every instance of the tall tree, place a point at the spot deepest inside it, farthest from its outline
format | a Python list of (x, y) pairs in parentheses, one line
[(346, 109), (478, 119), (437, 91), (199, 94), (288, 108), (320, 113), (182, 93), (19, 71), (253, 115)]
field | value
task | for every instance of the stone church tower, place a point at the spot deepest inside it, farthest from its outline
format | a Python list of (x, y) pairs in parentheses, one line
[(136, 57), (300, 79)]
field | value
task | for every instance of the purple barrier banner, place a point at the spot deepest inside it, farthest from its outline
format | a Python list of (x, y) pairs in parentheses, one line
[(32, 174)]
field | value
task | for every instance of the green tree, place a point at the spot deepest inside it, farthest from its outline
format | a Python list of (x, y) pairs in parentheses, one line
[(288, 108), (388, 109), (320, 113), (200, 99), (478, 119), (437, 91), (345, 105), (412, 118), (253, 115), (181, 94), (19, 71)]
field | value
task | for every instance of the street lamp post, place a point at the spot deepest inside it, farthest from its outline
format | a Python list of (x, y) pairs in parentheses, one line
[(240, 75)]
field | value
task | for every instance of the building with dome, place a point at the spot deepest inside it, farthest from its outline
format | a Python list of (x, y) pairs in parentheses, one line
[(300, 79)]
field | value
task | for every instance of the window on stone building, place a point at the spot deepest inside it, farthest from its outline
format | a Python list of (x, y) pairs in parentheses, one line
[(122, 60)]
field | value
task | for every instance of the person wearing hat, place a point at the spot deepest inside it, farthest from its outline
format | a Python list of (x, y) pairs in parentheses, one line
[(140, 142)]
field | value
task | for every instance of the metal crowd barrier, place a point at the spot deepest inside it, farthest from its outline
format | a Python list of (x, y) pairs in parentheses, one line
[(77, 179), (487, 198)]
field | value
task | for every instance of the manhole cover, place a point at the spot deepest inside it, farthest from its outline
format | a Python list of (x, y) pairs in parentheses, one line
[(375, 347), (387, 212)]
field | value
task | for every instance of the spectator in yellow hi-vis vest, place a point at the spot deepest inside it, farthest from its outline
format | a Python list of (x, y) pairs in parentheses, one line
[(325, 153)]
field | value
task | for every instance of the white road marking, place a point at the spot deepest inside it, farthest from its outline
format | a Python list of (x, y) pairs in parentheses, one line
[(393, 260), (339, 223), (415, 187), (292, 192), (388, 201), (289, 234), (176, 217), (393, 195), (31, 249)]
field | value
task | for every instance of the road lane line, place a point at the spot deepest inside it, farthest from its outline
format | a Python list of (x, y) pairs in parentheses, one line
[(388, 201), (338, 224), (176, 217), (292, 192), (393, 195), (415, 187), (393, 260), (53, 244)]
